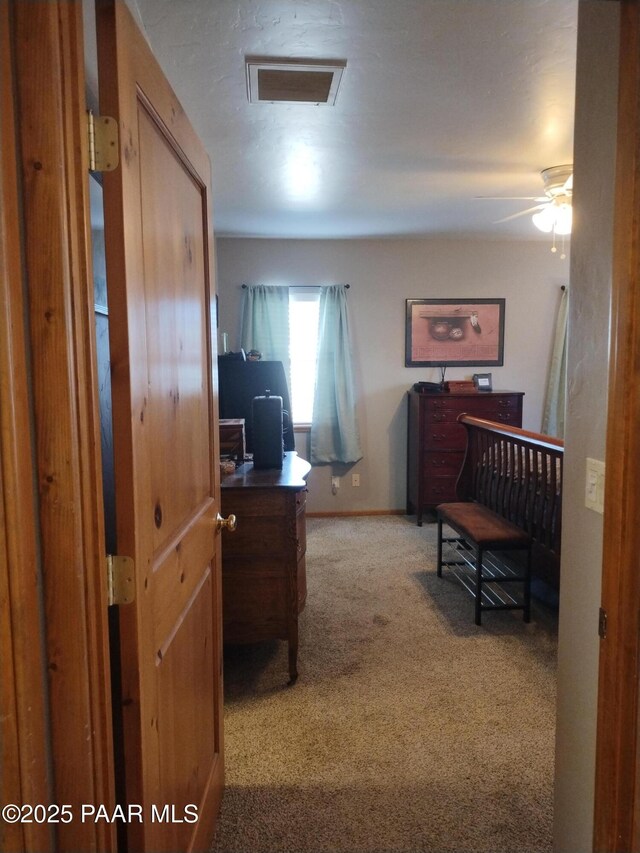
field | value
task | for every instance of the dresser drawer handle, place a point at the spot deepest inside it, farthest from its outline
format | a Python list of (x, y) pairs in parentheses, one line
[(506, 404)]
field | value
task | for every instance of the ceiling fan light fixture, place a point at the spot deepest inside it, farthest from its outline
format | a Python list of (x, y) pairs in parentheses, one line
[(556, 215), (558, 181), (544, 220), (564, 215)]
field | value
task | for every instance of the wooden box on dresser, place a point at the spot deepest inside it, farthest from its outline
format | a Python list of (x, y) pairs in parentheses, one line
[(264, 582), (436, 442)]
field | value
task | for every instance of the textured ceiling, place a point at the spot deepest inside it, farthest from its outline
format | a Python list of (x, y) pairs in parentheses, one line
[(441, 101)]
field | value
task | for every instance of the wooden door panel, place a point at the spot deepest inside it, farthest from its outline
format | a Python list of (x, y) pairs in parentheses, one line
[(159, 272), (178, 571), (176, 331), (186, 694)]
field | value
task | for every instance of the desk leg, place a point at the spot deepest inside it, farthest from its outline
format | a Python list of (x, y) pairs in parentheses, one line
[(292, 628), (293, 653)]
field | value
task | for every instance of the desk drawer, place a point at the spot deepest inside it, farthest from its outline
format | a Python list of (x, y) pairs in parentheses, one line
[(502, 416), (445, 408), (440, 489), (502, 403), (259, 536), (302, 584), (301, 500), (437, 464), (505, 409), (441, 416), (450, 436), (301, 534)]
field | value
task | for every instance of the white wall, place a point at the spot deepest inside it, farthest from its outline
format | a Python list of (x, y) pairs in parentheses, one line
[(594, 159), (382, 274)]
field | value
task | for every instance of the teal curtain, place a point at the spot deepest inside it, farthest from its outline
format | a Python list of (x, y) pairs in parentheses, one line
[(555, 400), (265, 322), (334, 429)]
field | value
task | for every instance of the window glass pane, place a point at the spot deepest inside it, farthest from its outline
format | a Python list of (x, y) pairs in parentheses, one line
[(303, 344)]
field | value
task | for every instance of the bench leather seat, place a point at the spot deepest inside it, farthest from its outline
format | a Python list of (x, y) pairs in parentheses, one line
[(482, 526)]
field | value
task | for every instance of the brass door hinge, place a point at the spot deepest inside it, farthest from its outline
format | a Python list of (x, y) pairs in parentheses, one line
[(102, 132), (120, 580), (602, 623)]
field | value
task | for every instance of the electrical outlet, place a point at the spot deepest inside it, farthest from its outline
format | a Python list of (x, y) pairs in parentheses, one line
[(355, 480)]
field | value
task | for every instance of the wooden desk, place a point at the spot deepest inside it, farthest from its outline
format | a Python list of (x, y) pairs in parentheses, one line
[(264, 584)]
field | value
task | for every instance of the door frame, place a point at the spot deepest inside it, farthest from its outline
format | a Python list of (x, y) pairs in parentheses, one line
[(23, 707), (617, 796), (47, 57)]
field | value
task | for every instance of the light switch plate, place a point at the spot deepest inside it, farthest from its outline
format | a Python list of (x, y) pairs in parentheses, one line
[(594, 485)]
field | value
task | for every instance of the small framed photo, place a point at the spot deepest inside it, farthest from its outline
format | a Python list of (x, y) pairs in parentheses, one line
[(482, 381), (454, 332)]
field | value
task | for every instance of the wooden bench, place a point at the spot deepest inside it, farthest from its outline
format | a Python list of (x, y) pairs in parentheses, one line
[(510, 498)]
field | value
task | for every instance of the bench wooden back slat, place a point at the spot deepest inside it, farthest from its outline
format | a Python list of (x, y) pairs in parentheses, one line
[(540, 494), (551, 508), (517, 474), (513, 465), (519, 505)]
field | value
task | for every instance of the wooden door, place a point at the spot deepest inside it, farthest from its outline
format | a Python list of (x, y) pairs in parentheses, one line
[(159, 271)]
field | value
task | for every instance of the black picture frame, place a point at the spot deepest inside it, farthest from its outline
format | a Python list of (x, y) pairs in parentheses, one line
[(483, 381), (454, 332)]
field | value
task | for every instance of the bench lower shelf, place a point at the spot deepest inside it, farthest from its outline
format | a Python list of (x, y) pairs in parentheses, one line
[(497, 570)]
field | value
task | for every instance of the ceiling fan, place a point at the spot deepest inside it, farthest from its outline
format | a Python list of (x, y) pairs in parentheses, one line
[(553, 212)]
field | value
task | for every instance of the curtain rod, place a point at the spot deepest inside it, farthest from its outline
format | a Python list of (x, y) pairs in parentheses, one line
[(245, 286)]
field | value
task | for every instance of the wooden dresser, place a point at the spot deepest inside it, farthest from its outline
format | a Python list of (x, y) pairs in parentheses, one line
[(436, 442), (264, 583)]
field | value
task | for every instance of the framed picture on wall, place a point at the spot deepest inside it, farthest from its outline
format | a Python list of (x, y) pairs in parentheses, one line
[(454, 332)]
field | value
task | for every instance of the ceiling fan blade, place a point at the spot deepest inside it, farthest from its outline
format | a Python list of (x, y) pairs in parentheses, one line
[(521, 213), (509, 197)]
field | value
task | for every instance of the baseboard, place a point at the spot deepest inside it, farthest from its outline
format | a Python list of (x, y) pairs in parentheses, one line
[(355, 512)]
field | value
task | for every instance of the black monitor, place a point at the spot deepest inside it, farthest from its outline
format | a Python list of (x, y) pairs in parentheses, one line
[(240, 381)]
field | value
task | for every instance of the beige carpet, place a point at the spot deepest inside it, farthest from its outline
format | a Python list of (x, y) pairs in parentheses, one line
[(409, 729)]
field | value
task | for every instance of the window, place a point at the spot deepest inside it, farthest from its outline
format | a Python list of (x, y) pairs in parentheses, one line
[(285, 324), (304, 305)]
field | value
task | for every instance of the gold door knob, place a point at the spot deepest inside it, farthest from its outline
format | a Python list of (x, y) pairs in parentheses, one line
[(229, 523)]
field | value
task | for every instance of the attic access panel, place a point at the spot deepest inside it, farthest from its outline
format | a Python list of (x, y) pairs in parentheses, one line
[(293, 81)]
